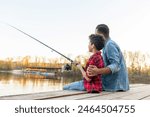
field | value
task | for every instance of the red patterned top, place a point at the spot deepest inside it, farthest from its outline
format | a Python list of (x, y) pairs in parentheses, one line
[(95, 85)]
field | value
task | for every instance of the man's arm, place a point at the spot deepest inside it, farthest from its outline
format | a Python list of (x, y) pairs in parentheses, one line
[(93, 70), (113, 56)]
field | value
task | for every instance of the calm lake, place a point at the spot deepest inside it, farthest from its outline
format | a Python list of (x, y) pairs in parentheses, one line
[(11, 84)]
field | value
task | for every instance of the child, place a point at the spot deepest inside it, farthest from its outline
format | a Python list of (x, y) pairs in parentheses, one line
[(90, 84)]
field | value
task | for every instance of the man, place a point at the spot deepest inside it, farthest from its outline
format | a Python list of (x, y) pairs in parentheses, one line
[(115, 76)]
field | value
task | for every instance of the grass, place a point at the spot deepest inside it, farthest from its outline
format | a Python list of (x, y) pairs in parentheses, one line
[(139, 79)]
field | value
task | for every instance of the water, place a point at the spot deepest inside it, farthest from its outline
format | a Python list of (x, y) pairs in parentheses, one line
[(11, 84)]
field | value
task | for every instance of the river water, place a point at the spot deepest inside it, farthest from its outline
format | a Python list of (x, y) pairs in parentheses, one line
[(12, 84)]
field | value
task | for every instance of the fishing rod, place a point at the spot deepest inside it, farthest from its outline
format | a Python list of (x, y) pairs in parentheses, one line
[(41, 43)]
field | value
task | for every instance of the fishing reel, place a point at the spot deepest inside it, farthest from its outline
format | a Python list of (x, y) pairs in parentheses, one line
[(67, 67)]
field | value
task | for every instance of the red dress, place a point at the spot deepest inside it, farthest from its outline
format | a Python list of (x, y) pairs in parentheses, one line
[(95, 85)]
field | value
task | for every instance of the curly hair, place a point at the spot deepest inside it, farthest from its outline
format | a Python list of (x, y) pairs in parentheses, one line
[(97, 40)]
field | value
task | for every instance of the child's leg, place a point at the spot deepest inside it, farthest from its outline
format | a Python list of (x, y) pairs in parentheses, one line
[(75, 86)]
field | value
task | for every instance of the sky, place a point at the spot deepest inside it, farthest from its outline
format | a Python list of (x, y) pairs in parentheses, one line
[(66, 24)]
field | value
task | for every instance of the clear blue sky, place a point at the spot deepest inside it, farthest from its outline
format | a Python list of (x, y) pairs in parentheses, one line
[(66, 24)]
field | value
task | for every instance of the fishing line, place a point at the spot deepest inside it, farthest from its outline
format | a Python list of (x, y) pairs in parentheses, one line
[(52, 49)]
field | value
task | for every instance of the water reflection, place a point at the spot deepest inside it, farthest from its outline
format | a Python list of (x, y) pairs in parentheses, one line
[(19, 84)]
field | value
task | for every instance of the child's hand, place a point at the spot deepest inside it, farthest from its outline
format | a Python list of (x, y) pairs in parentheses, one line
[(83, 74), (75, 63)]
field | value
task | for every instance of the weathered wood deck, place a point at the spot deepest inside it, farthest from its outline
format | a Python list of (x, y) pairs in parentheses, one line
[(136, 92)]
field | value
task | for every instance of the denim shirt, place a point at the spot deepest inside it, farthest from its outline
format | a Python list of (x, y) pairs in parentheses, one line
[(113, 58)]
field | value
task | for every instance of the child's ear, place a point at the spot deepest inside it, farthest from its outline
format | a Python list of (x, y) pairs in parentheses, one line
[(93, 46)]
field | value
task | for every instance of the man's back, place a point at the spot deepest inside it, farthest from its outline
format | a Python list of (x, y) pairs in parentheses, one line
[(113, 58)]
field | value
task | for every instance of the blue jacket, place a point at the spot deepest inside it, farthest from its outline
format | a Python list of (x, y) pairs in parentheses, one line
[(113, 58)]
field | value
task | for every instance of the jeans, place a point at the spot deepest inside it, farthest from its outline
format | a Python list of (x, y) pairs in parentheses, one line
[(75, 86)]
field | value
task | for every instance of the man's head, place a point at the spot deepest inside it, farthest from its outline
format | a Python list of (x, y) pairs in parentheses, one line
[(102, 29), (96, 41)]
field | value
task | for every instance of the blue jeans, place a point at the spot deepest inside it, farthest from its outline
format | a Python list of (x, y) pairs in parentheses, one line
[(75, 86)]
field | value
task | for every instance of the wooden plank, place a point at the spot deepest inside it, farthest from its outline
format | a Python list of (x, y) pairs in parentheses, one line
[(143, 92), (137, 96), (146, 98), (137, 91), (118, 95), (103, 95), (43, 95), (137, 85), (82, 96)]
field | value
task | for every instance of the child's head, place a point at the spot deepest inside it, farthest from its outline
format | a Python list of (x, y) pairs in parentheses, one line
[(96, 42)]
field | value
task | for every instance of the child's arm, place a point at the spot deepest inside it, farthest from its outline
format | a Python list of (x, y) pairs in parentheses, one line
[(83, 72)]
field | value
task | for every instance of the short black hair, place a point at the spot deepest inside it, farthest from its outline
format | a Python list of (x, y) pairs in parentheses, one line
[(103, 28), (97, 40)]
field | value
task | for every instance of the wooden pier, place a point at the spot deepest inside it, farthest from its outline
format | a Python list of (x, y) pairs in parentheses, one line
[(43, 69), (136, 92)]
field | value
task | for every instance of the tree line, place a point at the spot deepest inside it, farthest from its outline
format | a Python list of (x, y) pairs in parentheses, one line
[(137, 62)]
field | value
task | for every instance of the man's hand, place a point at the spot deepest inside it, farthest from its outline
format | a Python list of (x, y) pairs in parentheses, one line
[(92, 70)]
